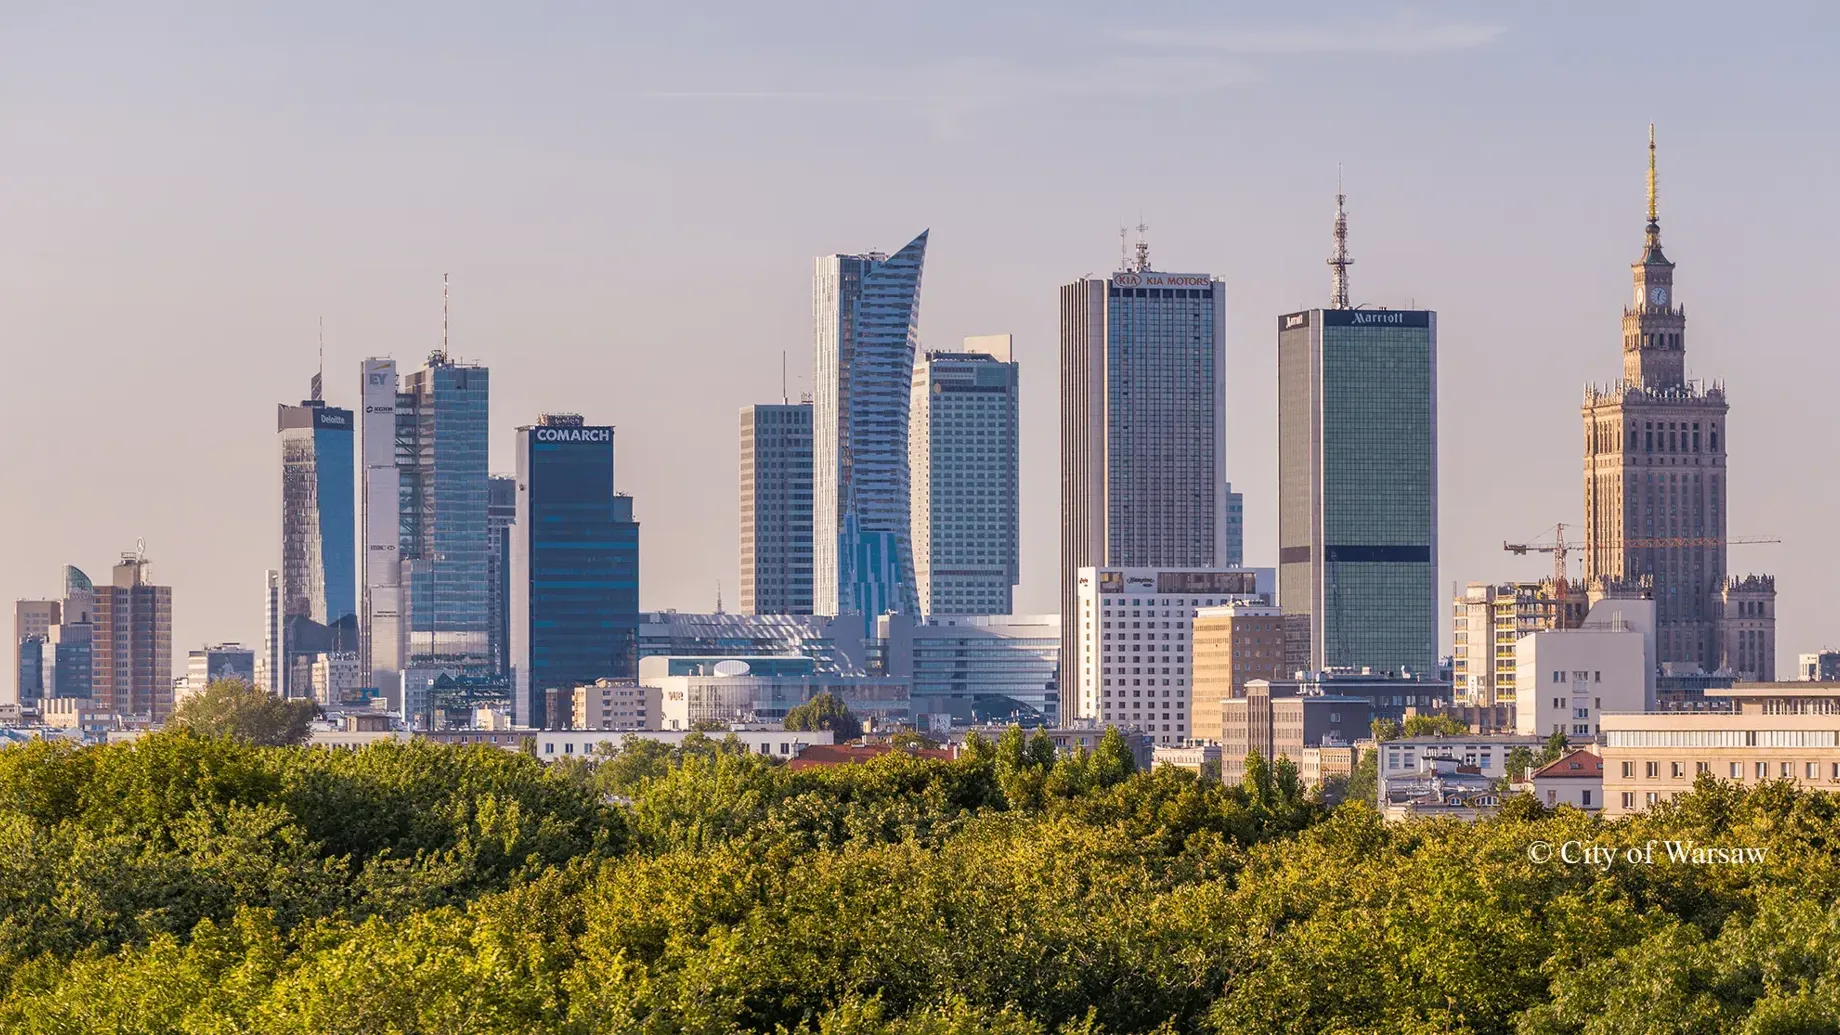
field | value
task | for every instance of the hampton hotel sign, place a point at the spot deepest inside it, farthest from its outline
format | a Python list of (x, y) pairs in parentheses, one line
[(1175, 280)]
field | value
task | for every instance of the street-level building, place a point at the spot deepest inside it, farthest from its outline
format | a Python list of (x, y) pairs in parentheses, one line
[(1822, 666), (1575, 778), (1489, 618), (617, 704), (1233, 645), (700, 690), (1776, 731), (970, 670), (1278, 722)]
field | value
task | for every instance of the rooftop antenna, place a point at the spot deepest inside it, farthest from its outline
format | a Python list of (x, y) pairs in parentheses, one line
[(718, 596), (1339, 260), (1124, 248), (1651, 173), (1143, 249), (785, 397), (319, 376), (443, 317)]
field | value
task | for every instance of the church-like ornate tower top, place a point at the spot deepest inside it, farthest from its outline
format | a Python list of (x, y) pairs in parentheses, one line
[(1654, 328)]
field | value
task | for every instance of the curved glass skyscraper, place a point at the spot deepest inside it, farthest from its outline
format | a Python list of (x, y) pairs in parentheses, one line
[(866, 319), (319, 566)]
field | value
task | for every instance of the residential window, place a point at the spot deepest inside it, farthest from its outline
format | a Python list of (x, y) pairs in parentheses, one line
[(1653, 769), (1737, 770), (1679, 770), (1629, 770), (1629, 799), (1584, 798)]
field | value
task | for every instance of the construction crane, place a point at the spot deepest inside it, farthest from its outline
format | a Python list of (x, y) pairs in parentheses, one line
[(1559, 548)]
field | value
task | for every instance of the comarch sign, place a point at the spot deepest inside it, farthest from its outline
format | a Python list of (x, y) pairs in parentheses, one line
[(574, 434)]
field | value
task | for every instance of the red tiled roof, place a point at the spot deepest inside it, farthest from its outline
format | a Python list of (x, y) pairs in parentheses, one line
[(1577, 763), (850, 754)]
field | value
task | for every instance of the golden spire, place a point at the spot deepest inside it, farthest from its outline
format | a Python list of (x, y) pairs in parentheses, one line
[(1651, 172)]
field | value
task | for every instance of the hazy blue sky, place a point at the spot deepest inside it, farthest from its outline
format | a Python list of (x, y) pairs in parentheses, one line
[(628, 198)]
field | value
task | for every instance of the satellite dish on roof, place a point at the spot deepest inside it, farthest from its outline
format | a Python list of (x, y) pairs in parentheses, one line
[(731, 668)]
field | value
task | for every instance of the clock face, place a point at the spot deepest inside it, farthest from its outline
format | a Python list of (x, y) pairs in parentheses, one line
[(1658, 295)]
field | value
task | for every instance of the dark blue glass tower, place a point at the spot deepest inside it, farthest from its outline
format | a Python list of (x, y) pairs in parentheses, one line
[(574, 566)]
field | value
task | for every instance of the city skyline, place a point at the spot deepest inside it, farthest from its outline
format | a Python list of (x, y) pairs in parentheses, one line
[(1415, 221)]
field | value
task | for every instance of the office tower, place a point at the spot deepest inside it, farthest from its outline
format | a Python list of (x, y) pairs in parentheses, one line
[(574, 567), (1143, 429), (380, 626), (70, 645), (213, 662), (319, 569), (866, 312), (963, 463), (776, 521), (32, 623), (1654, 467), (501, 512), (441, 436), (132, 650), (268, 662), (1236, 528), (1135, 641), (1357, 480)]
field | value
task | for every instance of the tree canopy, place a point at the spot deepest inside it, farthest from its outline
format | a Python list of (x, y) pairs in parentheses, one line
[(236, 708), (182, 883), (825, 711)]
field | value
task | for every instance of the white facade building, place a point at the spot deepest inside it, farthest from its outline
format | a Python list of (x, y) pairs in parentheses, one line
[(1565, 680), (612, 704), (962, 457), (1135, 644), (381, 640), (268, 662), (1404, 759), (336, 677), (763, 689)]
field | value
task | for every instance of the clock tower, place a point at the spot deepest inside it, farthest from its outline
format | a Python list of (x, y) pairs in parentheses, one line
[(1654, 328)]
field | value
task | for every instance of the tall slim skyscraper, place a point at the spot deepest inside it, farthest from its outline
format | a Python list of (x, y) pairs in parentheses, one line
[(866, 312), (1654, 467), (381, 640), (1143, 430), (963, 460), (441, 437), (133, 662), (574, 566), (776, 509), (319, 567), (501, 513), (268, 660)]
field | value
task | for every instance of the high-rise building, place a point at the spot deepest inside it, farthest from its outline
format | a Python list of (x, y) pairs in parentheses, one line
[(1487, 619), (1357, 485), (1136, 646), (776, 550), (1654, 468), (69, 662), (1236, 528), (963, 460), (268, 672), (319, 569), (866, 316), (132, 646), (1143, 431), (32, 624), (574, 567), (381, 640), (501, 513), (441, 438)]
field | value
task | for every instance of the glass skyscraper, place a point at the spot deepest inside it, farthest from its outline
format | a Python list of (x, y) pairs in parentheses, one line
[(1357, 485), (866, 317), (574, 566), (443, 493), (1143, 431), (501, 513), (319, 566), (776, 509), (964, 469)]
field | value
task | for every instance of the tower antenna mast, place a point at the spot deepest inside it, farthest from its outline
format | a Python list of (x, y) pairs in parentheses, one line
[(1651, 174), (443, 317), (1143, 249), (319, 377), (1339, 260)]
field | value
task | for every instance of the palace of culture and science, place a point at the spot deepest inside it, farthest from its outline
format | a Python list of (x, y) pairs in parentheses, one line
[(1655, 487)]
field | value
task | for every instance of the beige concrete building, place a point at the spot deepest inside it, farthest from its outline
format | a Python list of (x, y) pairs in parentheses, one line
[(1322, 763), (610, 704), (1487, 619), (1750, 628), (1233, 644), (132, 658), (1278, 722), (1570, 677), (1655, 484), (1776, 731)]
